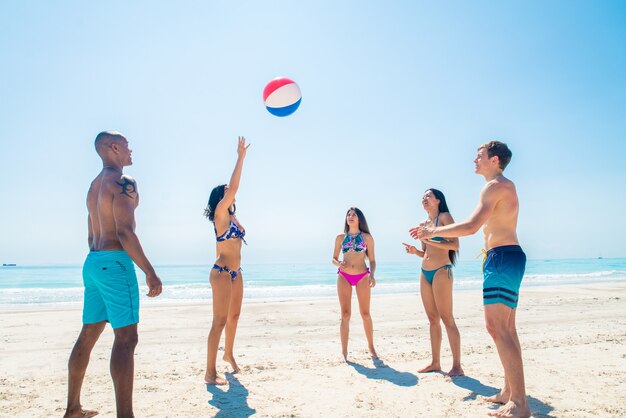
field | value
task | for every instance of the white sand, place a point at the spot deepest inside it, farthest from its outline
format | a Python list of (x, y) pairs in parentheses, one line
[(573, 340)]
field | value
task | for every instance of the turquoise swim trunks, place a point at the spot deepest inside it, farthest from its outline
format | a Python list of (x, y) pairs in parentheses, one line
[(111, 289), (502, 272)]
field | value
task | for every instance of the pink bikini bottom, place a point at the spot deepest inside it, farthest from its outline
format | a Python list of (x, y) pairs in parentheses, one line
[(353, 279)]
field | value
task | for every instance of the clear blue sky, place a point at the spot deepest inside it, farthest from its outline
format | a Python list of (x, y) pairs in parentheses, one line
[(396, 98)]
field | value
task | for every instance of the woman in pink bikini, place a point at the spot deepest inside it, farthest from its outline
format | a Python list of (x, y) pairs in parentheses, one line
[(356, 244), (436, 282)]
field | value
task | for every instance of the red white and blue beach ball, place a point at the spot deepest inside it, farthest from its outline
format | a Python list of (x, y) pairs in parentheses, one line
[(282, 96)]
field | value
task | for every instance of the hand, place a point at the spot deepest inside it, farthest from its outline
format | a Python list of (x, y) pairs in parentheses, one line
[(372, 281), (155, 287), (342, 265), (424, 232), (242, 148), (410, 248), (413, 231)]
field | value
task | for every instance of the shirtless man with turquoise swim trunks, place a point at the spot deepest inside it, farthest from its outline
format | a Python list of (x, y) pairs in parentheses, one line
[(111, 288), (503, 269)]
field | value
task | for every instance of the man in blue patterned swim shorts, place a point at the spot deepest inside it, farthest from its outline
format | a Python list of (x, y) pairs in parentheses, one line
[(503, 268), (111, 289)]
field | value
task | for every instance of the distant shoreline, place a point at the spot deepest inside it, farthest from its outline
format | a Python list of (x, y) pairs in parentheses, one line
[(154, 303), (470, 260)]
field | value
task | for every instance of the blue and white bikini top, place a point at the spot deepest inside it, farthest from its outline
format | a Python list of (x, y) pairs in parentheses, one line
[(233, 232), (354, 243)]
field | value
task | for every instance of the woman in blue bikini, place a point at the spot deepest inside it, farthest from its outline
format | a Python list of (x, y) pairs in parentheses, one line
[(436, 282), (225, 277), (356, 244)]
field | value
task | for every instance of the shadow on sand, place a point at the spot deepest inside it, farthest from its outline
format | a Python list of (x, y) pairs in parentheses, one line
[(538, 409), (381, 371), (231, 400)]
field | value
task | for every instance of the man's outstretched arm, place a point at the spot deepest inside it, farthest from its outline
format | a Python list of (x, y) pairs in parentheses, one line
[(488, 199)]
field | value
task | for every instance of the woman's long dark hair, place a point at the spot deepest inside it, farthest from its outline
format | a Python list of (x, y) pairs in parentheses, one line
[(443, 208), (217, 194)]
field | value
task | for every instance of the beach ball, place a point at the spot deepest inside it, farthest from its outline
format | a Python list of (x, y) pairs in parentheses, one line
[(282, 96)]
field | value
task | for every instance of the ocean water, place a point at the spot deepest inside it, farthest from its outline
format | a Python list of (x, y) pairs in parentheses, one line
[(22, 285)]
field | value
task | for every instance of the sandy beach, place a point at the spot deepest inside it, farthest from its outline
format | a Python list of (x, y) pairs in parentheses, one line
[(573, 340)]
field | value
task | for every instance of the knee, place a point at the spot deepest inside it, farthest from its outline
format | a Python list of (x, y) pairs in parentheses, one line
[(433, 318), (366, 315), (345, 315), (448, 321), (89, 335), (495, 328), (85, 341), (490, 327), (234, 317), (127, 339), (219, 322)]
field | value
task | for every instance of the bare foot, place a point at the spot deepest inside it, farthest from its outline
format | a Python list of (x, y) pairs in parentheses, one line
[(80, 413), (511, 409), (501, 397), (456, 371), (231, 359), (215, 380), (373, 354), (430, 368), (345, 357)]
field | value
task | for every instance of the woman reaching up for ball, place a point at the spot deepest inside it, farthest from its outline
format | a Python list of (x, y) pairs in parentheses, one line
[(436, 282), (226, 277), (356, 244)]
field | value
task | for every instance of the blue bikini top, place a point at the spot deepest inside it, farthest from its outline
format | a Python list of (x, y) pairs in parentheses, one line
[(233, 232), (437, 239)]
